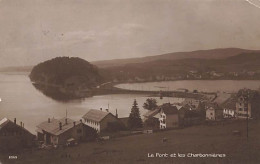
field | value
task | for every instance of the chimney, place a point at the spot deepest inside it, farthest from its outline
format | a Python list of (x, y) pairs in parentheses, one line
[(49, 120), (14, 120), (101, 109), (60, 125), (80, 120), (66, 121), (74, 123), (21, 124), (107, 110), (116, 114)]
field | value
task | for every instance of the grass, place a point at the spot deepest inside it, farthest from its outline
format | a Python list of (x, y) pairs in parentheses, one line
[(135, 149)]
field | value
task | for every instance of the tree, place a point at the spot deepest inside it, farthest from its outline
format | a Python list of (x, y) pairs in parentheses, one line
[(150, 104), (135, 120)]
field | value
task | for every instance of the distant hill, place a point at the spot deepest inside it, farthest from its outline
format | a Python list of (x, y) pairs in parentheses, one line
[(242, 66), (200, 54)]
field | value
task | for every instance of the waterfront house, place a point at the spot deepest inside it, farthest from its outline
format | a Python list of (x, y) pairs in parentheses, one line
[(58, 132), (13, 136), (168, 116), (101, 120), (213, 112)]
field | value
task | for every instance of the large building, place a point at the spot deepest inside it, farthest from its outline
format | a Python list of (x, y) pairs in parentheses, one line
[(100, 120), (13, 136), (169, 117), (58, 132), (248, 104)]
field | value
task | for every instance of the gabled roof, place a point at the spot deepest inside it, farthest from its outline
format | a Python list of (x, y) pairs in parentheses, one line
[(95, 115), (192, 103), (3, 122), (53, 126), (6, 121), (169, 109), (152, 113), (214, 106), (247, 93), (230, 103)]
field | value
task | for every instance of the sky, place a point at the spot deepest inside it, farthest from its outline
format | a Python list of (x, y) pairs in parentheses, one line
[(32, 31)]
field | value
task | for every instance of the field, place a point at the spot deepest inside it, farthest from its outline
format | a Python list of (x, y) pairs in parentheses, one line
[(134, 149)]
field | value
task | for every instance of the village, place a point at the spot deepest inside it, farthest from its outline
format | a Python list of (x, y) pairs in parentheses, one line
[(99, 125)]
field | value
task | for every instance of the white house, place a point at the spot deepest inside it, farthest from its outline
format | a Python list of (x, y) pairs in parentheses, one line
[(99, 119), (169, 117)]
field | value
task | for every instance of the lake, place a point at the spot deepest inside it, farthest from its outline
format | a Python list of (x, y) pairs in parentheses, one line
[(22, 101), (200, 85)]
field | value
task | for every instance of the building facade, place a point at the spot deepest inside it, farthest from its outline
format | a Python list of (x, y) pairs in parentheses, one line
[(13, 136), (214, 112), (100, 120), (168, 116), (243, 107), (58, 132)]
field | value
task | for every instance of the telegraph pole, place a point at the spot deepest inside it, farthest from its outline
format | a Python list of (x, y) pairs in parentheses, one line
[(247, 115)]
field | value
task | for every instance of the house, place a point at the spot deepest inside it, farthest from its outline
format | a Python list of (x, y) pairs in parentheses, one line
[(214, 112), (189, 117), (58, 132), (100, 120), (168, 116), (13, 136), (229, 107), (248, 104), (151, 119), (191, 103)]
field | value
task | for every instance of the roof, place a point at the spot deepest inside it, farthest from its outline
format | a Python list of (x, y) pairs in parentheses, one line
[(53, 126), (247, 93), (222, 97), (214, 106), (193, 103), (95, 115), (152, 113), (3, 122), (169, 109), (6, 121), (230, 103)]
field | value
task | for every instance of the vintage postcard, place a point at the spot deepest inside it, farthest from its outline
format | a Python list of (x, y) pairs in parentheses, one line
[(129, 81)]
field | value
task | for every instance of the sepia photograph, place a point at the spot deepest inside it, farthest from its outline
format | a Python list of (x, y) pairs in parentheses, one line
[(129, 81)]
